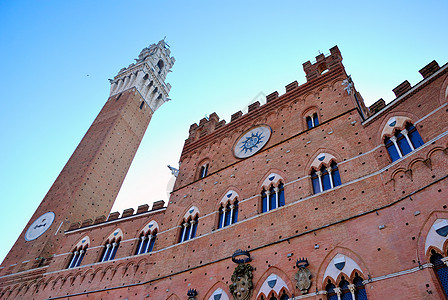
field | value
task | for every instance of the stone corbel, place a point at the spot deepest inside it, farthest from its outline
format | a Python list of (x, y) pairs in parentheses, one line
[(428, 163)]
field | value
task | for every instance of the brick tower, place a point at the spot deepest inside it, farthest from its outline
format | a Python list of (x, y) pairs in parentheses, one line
[(89, 183)]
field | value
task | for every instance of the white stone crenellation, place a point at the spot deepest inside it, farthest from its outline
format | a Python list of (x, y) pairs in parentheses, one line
[(147, 75)]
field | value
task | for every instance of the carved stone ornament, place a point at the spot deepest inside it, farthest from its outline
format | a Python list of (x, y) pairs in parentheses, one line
[(242, 285), (303, 276)]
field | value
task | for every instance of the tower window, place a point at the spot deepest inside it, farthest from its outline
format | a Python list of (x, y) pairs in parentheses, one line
[(312, 121), (110, 250), (228, 214), (204, 170), (141, 104), (146, 242), (403, 142), (188, 230), (273, 198), (326, 178), (77, 256), (160, 64)]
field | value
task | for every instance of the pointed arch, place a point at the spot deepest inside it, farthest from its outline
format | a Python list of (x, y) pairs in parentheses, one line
[(218, 290), (273, 280)]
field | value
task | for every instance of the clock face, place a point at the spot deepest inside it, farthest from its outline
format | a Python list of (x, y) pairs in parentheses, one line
[(39, 226), (252, 141)]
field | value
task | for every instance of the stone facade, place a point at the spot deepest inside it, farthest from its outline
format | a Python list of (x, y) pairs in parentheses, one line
[(320, 188)]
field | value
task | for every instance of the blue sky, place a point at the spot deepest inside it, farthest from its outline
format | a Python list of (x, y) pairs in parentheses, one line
[(56, 57)]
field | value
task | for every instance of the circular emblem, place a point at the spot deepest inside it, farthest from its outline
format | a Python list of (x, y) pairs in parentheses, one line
[(39, 226), (252, 141)]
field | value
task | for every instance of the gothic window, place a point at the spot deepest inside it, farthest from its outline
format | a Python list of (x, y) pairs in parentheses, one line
[(440, 269), (228, 214), (146, 242), (77, 256), (325, 178), (203, 171), (273, 198), (312, 120), (110, 250), (188, 229), (403, 142), (345, 290)]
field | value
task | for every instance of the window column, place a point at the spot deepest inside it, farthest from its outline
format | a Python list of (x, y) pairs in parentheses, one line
[(268, 200), (329, 169), (191, 229), (150, 236), (338, 292), (142, 242), (74, 258), (319, 176), (352, 289), (184, 230), (394, 140), (231, 213), (405, 133), (276, 197), (106, 253)]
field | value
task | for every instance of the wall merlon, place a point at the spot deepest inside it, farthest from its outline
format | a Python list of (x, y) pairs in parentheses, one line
[(236, 115), (86, 222), (322, 64), (377, 106), (74, 226), (429, 69), (127, 212), (291, 86), (402, 88), (113, 216), (158, 204), (142, 208), (271, 96), (253, 106), (100, 219)]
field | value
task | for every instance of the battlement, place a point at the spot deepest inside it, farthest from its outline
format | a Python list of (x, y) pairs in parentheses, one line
[(323, 64), (129, 212)]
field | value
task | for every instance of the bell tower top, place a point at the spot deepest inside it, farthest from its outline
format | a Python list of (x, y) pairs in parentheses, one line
[(147, 75)]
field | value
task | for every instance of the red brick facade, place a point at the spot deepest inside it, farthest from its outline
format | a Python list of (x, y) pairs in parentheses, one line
[(381, 223)]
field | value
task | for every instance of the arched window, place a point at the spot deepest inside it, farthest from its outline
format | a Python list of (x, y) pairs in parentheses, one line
[(228, 214), (403, 142), (273, 198), (77, 256), (325, 178), (146, 242), (344, 290), (188, 229), (110, 250), (312, 120), (441, 270), (160, 64)]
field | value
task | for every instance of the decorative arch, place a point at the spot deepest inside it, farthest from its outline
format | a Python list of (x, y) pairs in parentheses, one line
[(272, 192), (217, 291), (228, 209), (273, 286), (147, 238), (189, 225)]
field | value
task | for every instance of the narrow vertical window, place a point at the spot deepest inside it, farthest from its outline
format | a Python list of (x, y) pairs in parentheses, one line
[(203, 171), (335, 174), (391, 149), (360, 288), (415, 137), (141, 104), (272, 198), (325, 179), (228, 213), (315, 120), (309, 122), (221, 217), (235, 212), (331, 294), (281, 195), (315, 180), (403, 144), (264, 201)]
